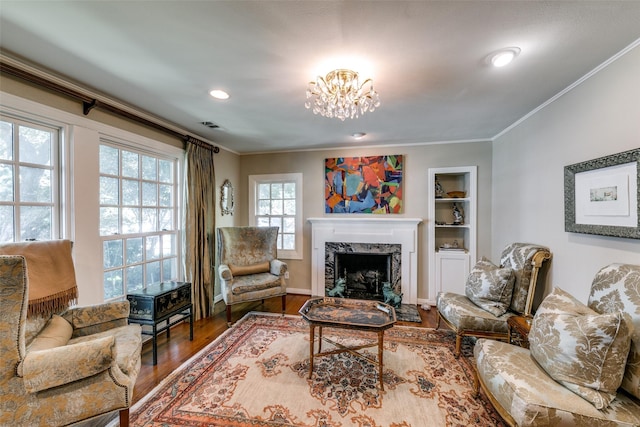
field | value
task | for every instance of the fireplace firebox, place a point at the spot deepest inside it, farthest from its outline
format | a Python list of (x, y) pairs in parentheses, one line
[(360, 270), (363, 274)]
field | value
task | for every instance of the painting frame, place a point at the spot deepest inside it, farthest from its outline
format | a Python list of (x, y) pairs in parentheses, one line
[(364, 185), (601, 196)]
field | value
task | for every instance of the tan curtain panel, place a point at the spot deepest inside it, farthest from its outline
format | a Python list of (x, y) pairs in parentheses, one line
[(200, 226)]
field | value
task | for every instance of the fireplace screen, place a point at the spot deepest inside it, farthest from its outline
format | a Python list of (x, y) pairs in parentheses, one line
[(360, 271), (363, 274)]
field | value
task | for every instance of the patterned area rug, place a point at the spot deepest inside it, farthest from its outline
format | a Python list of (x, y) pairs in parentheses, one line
[(256, 374)]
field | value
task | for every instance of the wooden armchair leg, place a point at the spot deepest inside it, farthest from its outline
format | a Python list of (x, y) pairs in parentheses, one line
[(284, 303), (228, 315), (438, 321), (124, 417), (476, 385), (456, 353)]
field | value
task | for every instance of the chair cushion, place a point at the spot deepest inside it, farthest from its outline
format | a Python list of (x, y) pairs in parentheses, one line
[(581, 349), (490, 287), (461, 312), (243, 270), (127, 345), (56, 334), (254, 282)]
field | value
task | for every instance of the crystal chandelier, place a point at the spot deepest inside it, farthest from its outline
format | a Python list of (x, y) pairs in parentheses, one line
[(339, 94)]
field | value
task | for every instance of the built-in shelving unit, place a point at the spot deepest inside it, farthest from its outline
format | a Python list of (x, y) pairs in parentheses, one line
[(451, 237)]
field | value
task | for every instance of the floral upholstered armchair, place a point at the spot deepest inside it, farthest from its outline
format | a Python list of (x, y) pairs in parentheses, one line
[(583, 364), (248, 266), (60, 366), (494, 293)]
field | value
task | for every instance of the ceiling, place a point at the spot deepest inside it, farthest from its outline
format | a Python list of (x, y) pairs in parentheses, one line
[(427, 60)]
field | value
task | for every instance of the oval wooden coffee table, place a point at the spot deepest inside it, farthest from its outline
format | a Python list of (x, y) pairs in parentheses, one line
[(361, 315)]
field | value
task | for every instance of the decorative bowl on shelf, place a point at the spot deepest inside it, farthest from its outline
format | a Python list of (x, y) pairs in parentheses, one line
[(457, 194)]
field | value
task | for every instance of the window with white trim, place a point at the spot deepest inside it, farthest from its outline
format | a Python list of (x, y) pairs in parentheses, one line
[(138, 219), (276, 200), (29, 181)]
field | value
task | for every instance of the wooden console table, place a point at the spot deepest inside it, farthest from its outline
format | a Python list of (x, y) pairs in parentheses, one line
[(160, 303)]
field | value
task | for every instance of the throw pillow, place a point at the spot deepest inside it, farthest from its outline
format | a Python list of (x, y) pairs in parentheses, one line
[(581, 349), (56, 334), (490, 287), (243, 270)]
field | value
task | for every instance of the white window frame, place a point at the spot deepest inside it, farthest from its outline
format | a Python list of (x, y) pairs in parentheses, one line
[(57, 168), (254, 181), (177, 229)]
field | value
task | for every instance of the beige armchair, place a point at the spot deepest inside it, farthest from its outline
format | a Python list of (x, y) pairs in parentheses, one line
[(493, 294), (64, 367), (248, 266)]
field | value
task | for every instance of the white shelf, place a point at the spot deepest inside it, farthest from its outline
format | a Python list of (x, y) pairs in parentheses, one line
[(448, 269), (453, 200)]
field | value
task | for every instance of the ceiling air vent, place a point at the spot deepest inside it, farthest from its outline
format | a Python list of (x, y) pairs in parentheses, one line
[(211, 125)]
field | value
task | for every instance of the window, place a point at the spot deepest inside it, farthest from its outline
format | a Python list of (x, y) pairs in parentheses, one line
[(138, 219), (276, 200), (29, 191)]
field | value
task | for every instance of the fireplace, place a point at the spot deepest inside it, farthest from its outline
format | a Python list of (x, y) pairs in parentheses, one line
[(362, 269), (382, 250)]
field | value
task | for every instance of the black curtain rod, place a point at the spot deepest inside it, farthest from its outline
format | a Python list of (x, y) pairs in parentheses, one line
[(89, 103)]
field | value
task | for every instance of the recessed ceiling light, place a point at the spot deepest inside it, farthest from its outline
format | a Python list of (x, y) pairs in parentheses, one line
[(504, 56), (358, 135), (219, 94)]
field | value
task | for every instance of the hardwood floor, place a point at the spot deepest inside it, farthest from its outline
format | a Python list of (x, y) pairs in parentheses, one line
[(178, 349)]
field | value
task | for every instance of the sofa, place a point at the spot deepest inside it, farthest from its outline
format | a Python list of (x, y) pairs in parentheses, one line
[(583, 364)]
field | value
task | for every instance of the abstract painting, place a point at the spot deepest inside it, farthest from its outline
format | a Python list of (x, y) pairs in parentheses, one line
[(370, 184)]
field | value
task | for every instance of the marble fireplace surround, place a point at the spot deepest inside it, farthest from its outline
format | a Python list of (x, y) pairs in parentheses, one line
[(403, 231)]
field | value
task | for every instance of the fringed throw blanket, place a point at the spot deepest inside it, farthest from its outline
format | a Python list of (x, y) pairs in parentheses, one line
[(50, 273)]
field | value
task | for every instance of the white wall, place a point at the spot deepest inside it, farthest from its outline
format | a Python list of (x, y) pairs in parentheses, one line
[(85, 214), (599, 117)]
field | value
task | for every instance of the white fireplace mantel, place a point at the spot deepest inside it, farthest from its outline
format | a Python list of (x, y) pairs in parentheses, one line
[(403, 231)]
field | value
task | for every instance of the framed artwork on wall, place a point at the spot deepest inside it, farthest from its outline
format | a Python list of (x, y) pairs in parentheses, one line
[(601, 195), (364, 185)]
